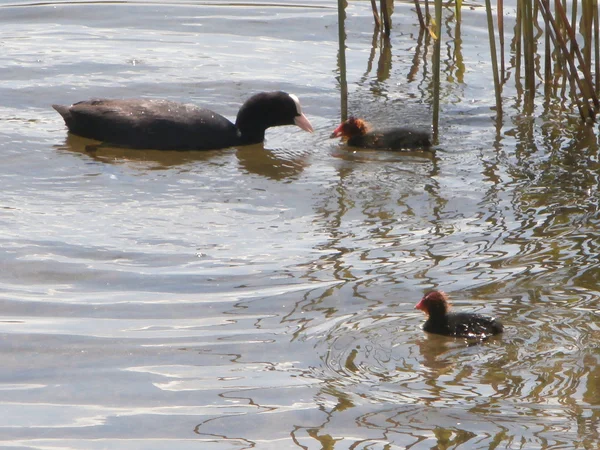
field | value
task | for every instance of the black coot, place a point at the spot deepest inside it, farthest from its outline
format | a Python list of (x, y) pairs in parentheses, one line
[(436, 305), (166, 125), (358, 133)]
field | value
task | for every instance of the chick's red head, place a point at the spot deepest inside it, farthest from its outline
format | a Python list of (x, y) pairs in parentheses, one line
[(350, 128), (434, 302)]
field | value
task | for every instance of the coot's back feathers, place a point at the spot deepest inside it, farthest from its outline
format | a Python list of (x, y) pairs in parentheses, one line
[(470, 325), (155, 124), (166, 125)]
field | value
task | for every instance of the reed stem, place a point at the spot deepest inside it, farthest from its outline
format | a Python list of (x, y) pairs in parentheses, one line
[(342, 58), (497, 87), (436, 69)]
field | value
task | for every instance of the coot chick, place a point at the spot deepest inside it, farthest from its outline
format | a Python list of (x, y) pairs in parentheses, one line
[(470, 325), (358, 133), (166, 125)]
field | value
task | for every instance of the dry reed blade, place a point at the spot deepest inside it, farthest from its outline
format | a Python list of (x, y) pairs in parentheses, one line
[(596, 45), (585, 86), (497, 87), (500, 7), (528, 54), (385, 8), (548, 74), (375, 13), (419, 14), (436, 70), (590, 31), (342, 58), (517, 48)]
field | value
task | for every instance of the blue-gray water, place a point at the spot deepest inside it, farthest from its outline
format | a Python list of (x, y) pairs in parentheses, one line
[(263, 297)]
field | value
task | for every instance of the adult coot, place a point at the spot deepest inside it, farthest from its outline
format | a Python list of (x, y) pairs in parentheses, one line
[(358, 133), (166, 125), (436, 305)]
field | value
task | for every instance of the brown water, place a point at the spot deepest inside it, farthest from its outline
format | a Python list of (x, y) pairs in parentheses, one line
[(263, 297)]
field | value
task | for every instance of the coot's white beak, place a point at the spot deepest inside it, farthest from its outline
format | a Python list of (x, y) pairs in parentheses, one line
[(303, 123)]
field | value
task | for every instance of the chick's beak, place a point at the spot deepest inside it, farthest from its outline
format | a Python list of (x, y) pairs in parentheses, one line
[(420, 305), (336, 133), (303, 123)]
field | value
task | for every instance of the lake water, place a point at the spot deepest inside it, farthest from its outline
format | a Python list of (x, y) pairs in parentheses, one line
[(263, 297)]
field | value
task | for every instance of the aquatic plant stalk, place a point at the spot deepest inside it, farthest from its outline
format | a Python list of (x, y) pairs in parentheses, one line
[(419, 14), (500, 7), (342, 58), (585, 86), (528, 54), (436, 69), (497, 86), (517, 48), (385, 12), (375, 13), (596, 45), (548, 73)]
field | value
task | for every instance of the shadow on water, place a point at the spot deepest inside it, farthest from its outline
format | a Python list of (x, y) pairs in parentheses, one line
[(254, 159)]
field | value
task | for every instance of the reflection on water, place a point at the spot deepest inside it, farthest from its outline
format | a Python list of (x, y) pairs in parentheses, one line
[(252, 159), (154, 159), (264, 296)]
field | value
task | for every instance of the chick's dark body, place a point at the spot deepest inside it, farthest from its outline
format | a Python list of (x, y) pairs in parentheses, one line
[(392, 138), (463, 325)]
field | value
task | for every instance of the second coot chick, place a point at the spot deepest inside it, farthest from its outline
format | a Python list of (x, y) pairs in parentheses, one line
[(358, 133), (440, 321), (166, 125)]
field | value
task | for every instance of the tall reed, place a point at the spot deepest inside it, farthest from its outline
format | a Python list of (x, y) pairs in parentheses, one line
[(572, 43)]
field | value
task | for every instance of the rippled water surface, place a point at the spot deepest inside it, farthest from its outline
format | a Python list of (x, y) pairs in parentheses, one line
[(263, 297)]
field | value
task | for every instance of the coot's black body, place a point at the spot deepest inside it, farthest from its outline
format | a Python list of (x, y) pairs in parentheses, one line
[(167, 125), (358, 133), (470, 325)]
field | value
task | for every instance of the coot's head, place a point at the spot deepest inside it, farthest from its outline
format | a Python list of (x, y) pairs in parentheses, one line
[(434, 303), (269, 109), (351, 128)]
